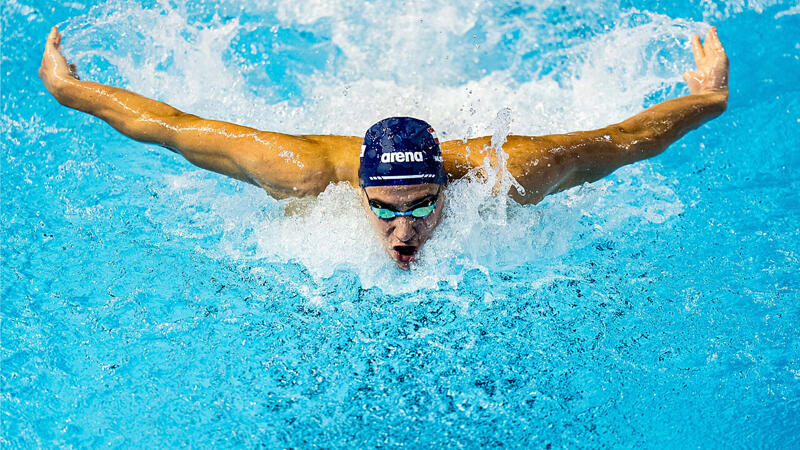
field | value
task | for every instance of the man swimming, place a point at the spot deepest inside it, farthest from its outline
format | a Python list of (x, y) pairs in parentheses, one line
[(400, 167)]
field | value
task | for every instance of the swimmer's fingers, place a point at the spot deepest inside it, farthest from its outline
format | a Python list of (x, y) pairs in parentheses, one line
[(720, 57), (712, 65), (697, 49), (713, 43), (692, 79), (54, 38), (51, 39), (53, 44)]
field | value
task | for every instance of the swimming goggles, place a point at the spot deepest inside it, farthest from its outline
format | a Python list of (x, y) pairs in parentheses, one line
[(420, 211)]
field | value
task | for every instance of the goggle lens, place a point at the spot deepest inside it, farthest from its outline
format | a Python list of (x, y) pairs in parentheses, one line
[(423, 211), (383, 213), (420, 213)]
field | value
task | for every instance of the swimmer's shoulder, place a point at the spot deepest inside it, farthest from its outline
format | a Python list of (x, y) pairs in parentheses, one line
[(342, 153), (462, 155)]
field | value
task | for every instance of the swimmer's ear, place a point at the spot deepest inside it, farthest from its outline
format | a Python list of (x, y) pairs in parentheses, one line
[(73, 70)]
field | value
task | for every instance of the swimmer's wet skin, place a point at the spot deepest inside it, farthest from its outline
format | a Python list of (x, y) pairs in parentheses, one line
[(400, 166)]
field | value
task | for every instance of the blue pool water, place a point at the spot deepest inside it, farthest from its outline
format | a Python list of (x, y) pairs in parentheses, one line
[(147, 303)]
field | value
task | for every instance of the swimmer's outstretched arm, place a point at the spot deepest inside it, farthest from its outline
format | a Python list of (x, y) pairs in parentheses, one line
[(284, 165), (548, 164)]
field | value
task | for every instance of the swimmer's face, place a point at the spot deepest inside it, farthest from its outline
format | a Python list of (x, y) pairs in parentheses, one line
[(403, 236)]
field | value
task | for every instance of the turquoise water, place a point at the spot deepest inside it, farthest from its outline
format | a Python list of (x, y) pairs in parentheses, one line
[(147, 303)]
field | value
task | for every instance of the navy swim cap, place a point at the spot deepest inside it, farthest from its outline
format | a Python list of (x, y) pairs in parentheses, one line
[(401, 150)]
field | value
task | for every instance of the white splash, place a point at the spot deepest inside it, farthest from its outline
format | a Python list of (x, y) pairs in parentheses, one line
[(793, 11), (718, 10)]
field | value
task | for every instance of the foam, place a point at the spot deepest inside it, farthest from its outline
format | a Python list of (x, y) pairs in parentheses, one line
[(793, 11), (601, 79), (718, 10)]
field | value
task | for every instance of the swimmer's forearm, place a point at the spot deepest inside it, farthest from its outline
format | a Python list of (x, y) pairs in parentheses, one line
[(643, 136), (205, 143), (131, 114), (284, 165), (548, 164), (650, 132)]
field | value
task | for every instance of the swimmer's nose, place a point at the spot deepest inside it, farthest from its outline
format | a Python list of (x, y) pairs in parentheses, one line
[(404, 229)]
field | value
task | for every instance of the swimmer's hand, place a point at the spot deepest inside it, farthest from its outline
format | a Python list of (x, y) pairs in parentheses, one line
[(55, 70), (712, 65)]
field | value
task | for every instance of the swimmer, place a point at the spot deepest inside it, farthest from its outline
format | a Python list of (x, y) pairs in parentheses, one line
[(399, 167)]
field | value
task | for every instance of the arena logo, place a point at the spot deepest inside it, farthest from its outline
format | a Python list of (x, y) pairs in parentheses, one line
[(398, 157)]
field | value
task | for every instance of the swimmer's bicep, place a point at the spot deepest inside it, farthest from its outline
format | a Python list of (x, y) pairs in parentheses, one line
[(544, 165), (278, 162), (459, 157), (285, 165)]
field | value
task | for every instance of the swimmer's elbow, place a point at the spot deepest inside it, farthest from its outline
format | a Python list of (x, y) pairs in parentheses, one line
[(288, 181), (306, 188), (279, 190), (629, 144)]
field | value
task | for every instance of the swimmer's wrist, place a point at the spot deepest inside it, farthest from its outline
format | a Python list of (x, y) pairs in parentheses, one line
[(721, 96), (718, 92), (717, 97), (67, 90)]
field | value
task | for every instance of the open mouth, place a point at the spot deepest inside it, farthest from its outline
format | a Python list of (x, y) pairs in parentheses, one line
[(404, 253)]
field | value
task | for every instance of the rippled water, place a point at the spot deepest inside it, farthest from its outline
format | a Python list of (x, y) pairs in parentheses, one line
[(148, 303)]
